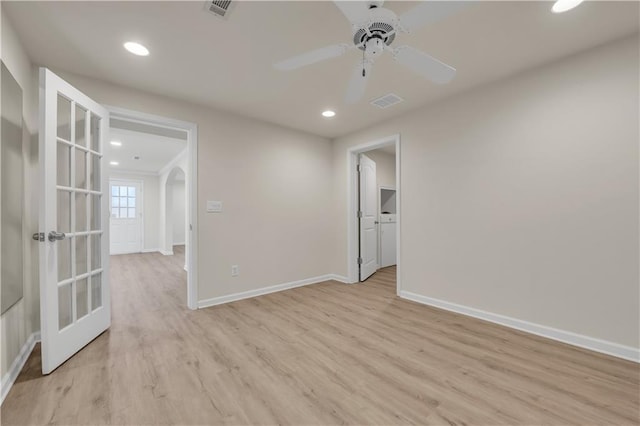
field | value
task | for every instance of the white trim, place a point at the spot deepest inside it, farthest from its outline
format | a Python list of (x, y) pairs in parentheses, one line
[(340, 278), (191, 256), (130, 172), (151, 250), (574, 339), (262, 291), (167, 252), (17, 365), (179, 244), (352, 202)]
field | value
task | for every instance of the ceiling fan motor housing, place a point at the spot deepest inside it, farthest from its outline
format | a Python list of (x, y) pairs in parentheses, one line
[(380, 25)]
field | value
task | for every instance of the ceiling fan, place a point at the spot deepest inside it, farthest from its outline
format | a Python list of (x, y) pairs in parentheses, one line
[(374, 30)]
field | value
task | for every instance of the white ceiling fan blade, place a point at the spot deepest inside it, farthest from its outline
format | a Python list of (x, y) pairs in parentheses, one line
[(358, 82), (428, 12), (424, 65), (355, 10), (312, 57)]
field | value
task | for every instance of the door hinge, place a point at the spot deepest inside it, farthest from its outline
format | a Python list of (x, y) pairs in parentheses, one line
[(360, 214), (358, 168), (359, 261)]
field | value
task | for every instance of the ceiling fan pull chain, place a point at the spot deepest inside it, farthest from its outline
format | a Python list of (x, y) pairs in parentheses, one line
[(364, 72)]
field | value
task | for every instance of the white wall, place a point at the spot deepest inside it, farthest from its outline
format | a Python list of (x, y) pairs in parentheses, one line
[(150, 205), (385, 167), (23, 318), (521, 198), (275, 184), (179, 212)]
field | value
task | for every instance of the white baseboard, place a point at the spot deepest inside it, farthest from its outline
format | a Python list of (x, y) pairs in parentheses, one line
[(261, 291), (179, 244), (582, 341), (167, 252), (16, 366), (340, 278), (151, 250)]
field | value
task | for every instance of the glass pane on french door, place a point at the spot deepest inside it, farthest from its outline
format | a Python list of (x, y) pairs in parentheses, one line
[(79, 161)]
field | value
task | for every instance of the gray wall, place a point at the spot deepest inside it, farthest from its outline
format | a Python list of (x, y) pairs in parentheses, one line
[(248, 165), (521, 198)]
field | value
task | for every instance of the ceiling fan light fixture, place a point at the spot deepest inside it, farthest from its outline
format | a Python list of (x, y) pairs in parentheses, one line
[(328, 113), (136, 48), (565, 5)]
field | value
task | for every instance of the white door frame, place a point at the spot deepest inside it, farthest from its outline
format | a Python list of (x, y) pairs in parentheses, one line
[(191, 255), (139, 201), (352, 205)]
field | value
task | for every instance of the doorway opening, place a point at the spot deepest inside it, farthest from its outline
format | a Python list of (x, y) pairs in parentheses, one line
[(174, 205), (126, 215), (373, 223), (152, 206)]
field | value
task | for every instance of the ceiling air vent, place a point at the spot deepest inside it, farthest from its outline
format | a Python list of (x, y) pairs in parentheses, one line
[(387, 100), (219, 7)]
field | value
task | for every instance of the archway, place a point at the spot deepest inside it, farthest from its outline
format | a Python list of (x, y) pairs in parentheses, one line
[(174, 213)]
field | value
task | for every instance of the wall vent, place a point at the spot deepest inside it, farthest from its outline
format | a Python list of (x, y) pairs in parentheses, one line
[(387, 100), (219, 7)]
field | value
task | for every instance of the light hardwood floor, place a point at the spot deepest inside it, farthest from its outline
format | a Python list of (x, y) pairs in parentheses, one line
[(323, 354)]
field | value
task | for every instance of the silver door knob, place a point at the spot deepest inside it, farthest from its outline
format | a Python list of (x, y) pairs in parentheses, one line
[(56, 236)]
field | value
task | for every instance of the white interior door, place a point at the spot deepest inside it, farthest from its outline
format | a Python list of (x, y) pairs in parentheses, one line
[(125, 220), (74, 279), (368, 211)]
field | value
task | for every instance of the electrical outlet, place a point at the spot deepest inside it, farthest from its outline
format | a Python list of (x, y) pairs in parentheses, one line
[(235, 271)]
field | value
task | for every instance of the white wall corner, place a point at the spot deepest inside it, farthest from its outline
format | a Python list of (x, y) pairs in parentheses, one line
[(568, 337), (172, 163), (16, 366)]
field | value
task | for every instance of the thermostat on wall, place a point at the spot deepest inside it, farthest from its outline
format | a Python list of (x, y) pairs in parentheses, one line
[(214, 206)]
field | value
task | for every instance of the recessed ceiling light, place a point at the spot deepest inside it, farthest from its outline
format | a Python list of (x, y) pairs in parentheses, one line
[(114, 163), (136, 48), (116, 143), (328, 113), (563, 5)]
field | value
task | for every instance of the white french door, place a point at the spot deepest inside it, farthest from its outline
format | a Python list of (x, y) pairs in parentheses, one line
[(125, 218), (74, 280), (368, 212)]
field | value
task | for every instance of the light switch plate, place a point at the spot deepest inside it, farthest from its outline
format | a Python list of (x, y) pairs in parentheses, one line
[(214, 206)]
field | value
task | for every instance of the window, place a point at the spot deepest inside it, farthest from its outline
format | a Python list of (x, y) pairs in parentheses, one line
[(123, 202)]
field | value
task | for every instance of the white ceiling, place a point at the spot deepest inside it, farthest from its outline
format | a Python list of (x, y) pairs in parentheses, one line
[(227, 63), (154, 151)]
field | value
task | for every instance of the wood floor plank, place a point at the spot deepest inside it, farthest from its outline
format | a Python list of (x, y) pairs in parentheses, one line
[(323, 354)]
